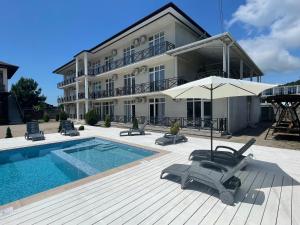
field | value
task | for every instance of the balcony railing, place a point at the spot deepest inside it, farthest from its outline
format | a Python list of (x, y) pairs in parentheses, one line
[(219, 124), (282, 90), (148, 87), (65, 99), (66, 82), (136, 57)]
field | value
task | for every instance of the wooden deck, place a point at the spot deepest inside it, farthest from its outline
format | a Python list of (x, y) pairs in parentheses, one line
[(137, 195)]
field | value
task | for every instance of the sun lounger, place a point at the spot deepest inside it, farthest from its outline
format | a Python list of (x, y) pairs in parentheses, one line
[(212, 174), (33, 132), (168, 139), (230, 158), (68, 129), (132, 131)]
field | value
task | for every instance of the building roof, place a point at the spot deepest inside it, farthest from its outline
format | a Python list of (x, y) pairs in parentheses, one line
[(11, 69), (215, 42), (169, 5)]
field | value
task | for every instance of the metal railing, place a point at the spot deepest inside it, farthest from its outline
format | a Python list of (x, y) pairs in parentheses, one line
[(282, 90), (147, 87), (65, 99), (66, 82), (219, 124), (135, 57)]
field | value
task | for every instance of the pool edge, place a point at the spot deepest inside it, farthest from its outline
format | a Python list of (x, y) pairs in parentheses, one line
[(42, 195)]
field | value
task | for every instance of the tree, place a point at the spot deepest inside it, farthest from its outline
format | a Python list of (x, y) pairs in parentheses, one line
[(91, 117), (28, 93), (8, 133)]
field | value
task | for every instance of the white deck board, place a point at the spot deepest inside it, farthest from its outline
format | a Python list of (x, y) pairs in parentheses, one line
[(270, 192), (271, 210), (230, 211)]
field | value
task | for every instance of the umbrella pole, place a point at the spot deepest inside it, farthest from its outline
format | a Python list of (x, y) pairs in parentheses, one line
[(211, 123)]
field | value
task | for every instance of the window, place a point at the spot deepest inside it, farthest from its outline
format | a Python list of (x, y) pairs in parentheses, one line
[(129, 84), (96, 87), (129, 110), (156, 43), (108, 63), (128, 54), (156, 110), (157, 76), (109, 84), (108, 109)]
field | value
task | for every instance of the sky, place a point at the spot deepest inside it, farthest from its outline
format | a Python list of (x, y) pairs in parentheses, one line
[(39, 36)]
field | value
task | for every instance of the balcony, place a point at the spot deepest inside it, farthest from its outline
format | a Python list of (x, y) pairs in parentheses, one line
[(66, 82), (136, 57), (66, 99), (282, 90), (142, 88)]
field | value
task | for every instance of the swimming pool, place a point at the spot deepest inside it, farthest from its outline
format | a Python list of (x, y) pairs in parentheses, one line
[(30, 170)]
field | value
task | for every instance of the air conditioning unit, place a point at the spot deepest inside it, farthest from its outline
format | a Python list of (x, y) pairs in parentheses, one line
[(143, 69), (139, 100), (136, 42), (136, 71), (143, 39), (114, 52)]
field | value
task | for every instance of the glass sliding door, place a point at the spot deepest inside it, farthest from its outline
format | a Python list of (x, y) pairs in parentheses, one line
[(156, 110), (156, 43), (194, 112), (129, 84), (128, 55), (157, 78), (129, 109), (109, 84)]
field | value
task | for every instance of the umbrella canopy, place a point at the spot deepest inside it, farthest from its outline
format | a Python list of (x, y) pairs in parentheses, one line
[(214, 88), (221, 87)]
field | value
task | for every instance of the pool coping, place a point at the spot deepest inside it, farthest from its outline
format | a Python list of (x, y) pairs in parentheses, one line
[(53, 191)]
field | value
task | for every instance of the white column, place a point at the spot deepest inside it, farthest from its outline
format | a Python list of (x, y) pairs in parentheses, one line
[(86, 93), (228, 61), (85, 60), (224, 58), (77, 88), (251, 75), (176, 66), (241, 69), (257, 78)]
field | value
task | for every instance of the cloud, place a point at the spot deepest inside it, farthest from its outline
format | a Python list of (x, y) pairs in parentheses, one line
[(274, 33)]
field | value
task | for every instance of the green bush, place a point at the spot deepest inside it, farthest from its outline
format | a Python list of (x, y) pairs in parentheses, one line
[(135, 123), (46, 117), (175, 128), (81, 127), (57, 117), (107, 121), (8, 133), (91, 117), (63, 115)]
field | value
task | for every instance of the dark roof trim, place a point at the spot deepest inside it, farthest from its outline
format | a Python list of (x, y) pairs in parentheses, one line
[(169, 5), (11, 69)]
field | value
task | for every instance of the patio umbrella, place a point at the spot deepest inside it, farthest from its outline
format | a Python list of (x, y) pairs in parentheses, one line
[(214, 87)]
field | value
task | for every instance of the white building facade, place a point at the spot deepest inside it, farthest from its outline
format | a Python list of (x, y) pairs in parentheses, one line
[(123, 76)]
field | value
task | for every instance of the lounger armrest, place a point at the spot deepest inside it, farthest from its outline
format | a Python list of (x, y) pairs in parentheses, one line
[(226, 147), (218, 165)]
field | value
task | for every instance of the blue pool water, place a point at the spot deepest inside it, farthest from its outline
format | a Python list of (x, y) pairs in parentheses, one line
[(30, 170)]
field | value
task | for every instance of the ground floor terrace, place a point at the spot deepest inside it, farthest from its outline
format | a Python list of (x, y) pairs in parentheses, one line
[(229, 115), (270, 191)]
